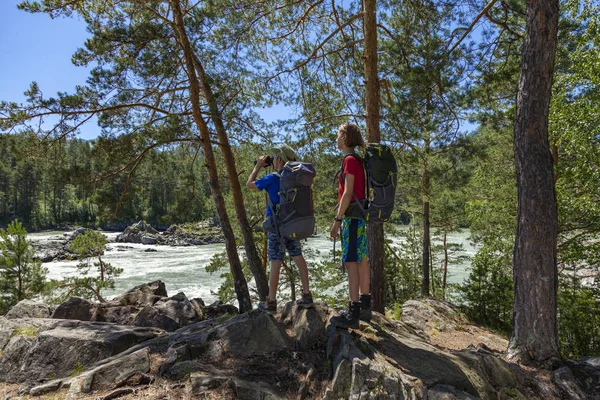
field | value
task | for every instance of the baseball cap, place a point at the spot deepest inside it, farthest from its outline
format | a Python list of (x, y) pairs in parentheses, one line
[(285, 152)]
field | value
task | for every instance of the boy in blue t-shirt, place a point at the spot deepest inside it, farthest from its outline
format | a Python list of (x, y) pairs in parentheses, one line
[(275, 249)]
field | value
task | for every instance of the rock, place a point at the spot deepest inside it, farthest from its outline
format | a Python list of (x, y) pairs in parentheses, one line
[(385, 358), (74, 308), (150, 250), (595, 361), (116, 393), (76, 233), (141, 295), (578, 380), (446, 392), (140, 232), (116, 314), (149, 239), (241, 336), (29, 309), (52, 386), (564, 379), (34, 349), (149, 316), (430, 315), (106, 375), (179, 309), (218, 309), (201, 233), (201, 382), (309, 325), (245, 335), (138, 378)]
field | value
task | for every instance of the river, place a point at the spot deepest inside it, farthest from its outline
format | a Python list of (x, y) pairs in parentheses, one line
[(182, 268)]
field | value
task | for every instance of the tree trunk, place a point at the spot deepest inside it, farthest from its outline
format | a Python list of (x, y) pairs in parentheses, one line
[(445, 266), (534, 339), (372, 103), (254, 261), (240, 284), (426, 244)]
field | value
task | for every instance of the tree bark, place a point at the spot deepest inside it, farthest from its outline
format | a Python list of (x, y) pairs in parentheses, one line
[(534, 339), (372, 105), (445, 268), (240, 284), (254, 261), (426, 244)]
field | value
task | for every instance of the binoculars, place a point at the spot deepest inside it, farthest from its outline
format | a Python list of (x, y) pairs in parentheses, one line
[(268, 161)]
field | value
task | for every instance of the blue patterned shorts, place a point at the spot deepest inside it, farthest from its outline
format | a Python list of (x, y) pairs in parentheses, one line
[(354, 240), (276, 251)]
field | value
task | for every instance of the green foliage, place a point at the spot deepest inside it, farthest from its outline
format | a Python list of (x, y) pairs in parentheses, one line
[(27, 331), (21, 277), (578, 317), (488, 292), (88, 246)]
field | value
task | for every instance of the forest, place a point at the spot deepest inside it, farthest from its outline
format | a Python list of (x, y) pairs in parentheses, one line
[(492, 115)]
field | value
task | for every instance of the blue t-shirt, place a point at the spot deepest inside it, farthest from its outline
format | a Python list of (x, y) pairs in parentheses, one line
[(270, 183)]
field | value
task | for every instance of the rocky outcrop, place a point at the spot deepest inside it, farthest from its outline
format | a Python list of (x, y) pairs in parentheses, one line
[(256, 355), (29, 309), (146, 305), (185, 235), (430, 316), (201, 233), (140, 232), (35, 349)]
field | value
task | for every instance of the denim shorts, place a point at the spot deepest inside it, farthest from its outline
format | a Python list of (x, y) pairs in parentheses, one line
[(276, 251)]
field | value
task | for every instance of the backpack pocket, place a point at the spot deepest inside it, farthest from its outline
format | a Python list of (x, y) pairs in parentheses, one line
[(381, 203), (298, 228)]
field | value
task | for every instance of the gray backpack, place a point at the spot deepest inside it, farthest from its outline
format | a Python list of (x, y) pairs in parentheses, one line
[(295, 214)]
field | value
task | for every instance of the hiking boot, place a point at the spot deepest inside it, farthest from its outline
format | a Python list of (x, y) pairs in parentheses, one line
[(365, 307), (269, 306), (306, 301), (348, 318)]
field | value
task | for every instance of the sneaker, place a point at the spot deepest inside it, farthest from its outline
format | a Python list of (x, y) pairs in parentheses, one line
[(269, 306), (306, 301), (365, 307), (348, 318)]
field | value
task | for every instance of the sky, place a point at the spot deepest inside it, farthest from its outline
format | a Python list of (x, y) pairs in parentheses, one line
[(34, 47)]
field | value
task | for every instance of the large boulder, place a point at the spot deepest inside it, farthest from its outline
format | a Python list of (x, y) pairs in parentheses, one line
[(251, 334), (74, 308), (140, 232), (34, 349), (141, 295), (179, 309), (389, 358), (150, 316), (309, 325), (29, 309)]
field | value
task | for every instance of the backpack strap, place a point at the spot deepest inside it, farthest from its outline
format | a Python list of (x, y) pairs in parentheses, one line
[(275, 219)]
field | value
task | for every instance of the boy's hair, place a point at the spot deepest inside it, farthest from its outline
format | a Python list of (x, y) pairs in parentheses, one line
[(353, 136)]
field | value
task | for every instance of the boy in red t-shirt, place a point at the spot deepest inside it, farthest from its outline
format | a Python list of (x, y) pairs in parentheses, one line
[(355, 254)]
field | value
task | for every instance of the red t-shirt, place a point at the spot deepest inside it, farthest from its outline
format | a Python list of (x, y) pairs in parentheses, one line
[(353, 166)]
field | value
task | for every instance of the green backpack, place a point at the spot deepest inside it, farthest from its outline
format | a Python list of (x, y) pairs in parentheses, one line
[(381, 180)]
